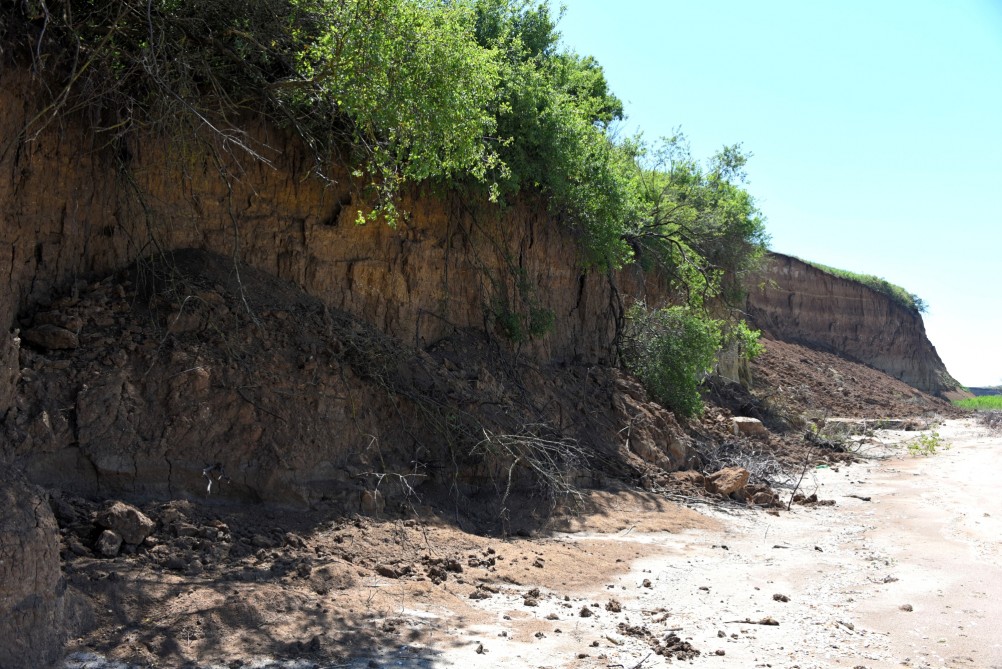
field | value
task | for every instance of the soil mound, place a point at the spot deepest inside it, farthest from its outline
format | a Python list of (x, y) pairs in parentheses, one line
[(190, 376), (793, 380)]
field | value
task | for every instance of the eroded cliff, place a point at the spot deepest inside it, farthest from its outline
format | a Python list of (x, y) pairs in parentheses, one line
[(793, 301), (301, 352)]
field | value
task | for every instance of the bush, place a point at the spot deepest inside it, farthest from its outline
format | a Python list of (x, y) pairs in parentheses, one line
[(671, 351), (982, 403), (927, 444)]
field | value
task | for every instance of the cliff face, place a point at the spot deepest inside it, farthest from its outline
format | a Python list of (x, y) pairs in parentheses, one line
[(75, 204), (793, 301), (294, 397)]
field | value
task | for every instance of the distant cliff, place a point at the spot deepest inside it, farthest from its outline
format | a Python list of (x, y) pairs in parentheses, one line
[(793, 301)]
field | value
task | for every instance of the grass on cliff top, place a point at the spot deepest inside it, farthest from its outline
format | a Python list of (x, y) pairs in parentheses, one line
[(983, 403), (908, 300)]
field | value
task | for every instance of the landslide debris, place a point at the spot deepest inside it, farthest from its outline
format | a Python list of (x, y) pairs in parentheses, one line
[(195, 377)]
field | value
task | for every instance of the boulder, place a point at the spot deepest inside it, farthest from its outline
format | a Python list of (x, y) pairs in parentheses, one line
[(32, 622), (690, 477), (747, 426), (50, 337), (728, 480), (127, 521), (109, 543)]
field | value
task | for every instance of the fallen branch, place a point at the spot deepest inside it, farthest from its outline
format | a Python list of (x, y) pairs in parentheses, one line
[(635, 666), (768, 620)]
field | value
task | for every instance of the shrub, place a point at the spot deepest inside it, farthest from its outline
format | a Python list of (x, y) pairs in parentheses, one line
[(927, 444), (746, 339), (476, 95), (671, 351)]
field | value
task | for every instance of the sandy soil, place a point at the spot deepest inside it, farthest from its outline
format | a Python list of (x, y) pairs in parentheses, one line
[(912, 577), (909, 578)]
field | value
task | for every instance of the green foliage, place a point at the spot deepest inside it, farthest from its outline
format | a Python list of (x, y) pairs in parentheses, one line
[(399, 89), (671, 351), (746, 338), (553, 113), (471, 94), (693, 220), (927, 444), (409, 79), (982, 403), (909, 301)]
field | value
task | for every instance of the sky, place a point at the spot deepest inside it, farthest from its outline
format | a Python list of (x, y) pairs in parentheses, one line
[(875, 129)]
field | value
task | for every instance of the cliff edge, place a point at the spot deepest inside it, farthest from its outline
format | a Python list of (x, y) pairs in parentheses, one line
[(793, 301)]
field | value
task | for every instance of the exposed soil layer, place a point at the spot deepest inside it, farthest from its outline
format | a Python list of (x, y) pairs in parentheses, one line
[(189, 368), (217, 398), (794, 301)]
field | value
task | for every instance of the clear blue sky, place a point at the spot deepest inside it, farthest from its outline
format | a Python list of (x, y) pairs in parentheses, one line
[(876, 129)]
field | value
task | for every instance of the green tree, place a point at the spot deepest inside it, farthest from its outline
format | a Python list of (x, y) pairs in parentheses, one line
[(697, 223)]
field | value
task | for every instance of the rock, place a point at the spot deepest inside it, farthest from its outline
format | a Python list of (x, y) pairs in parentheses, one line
[(109, 543), (690, 476), (763, 499), (727, 480), (50, 337), (262, 541), (294, 540), (183, 529), (585, 612), (129, 522), (76, 546), (747, 426), (391, 571), (32, 622), (372, 502), (175, 563), (72, 323), (613, 605), (779, 597)]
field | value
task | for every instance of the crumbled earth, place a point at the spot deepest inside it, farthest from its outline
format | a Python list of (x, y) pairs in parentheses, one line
[(239, 473), (795, 380), (222, 584), (184, 376)]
